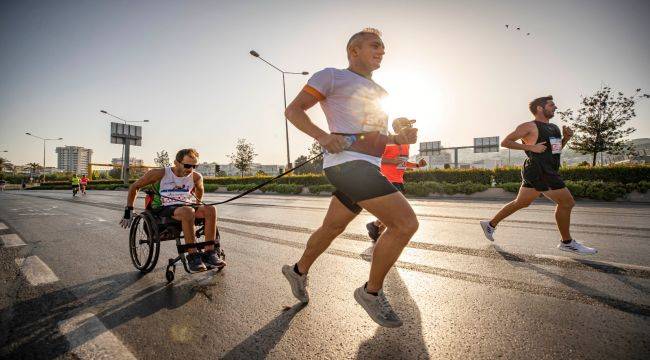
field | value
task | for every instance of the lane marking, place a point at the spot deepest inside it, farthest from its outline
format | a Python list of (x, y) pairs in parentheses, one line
[(3, 226), (12, 240), (89, 339), (590, 262), (36, 271)]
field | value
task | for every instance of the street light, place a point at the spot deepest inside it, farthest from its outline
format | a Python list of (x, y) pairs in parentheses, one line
[(123, 145), (44, 140), (284, 91)]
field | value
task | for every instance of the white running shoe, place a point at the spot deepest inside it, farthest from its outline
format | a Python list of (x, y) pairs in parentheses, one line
[(488, 230), (377, 307), (298, 283), (576, 247)]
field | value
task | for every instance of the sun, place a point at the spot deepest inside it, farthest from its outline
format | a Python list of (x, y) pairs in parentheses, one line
[(413, 97)]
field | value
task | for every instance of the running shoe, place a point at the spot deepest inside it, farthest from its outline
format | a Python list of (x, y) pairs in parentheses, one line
[(576, 247), (195, 263), (298, 283), (212, 260), (373, 231), (488, 229), (377, 307)]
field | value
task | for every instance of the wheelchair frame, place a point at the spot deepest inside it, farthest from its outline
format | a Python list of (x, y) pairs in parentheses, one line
[(155, 230)]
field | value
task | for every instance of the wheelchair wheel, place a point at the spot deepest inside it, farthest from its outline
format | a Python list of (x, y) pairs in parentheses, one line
[(144, 245)]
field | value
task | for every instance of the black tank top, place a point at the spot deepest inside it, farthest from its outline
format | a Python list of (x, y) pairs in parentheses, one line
[(549, 160)]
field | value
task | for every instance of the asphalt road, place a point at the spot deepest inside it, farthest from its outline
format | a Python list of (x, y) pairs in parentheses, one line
[(68, 289)]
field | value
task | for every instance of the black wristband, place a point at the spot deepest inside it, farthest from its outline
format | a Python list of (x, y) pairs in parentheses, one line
[(129, 207), (127, 212)]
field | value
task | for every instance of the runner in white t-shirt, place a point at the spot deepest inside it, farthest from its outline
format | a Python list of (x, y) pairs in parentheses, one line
[(350, 100)]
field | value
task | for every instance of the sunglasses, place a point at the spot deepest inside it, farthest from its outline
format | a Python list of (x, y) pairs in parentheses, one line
[(189, 166)]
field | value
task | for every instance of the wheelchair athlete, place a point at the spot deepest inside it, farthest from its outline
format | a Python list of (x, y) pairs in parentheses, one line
[(175, 186)]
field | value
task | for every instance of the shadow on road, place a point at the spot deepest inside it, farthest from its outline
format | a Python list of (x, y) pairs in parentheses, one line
[(259, 344), (405, 342), (34, 331), (582, 289)]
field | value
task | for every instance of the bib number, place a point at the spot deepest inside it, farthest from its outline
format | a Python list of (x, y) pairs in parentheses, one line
[(556, 145)]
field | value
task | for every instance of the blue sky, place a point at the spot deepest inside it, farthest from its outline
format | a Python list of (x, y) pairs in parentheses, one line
[(184, 65)]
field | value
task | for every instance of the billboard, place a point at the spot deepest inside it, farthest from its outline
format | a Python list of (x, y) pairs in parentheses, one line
[(120, 132), (486, 144), (429, 148)]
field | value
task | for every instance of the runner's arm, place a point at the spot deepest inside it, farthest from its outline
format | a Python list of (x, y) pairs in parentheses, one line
[(198, 187), (150, 177), (511, 141)]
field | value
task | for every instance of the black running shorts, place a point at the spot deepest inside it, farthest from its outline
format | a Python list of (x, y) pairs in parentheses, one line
[(165, 211), (356, 181), (533, 177)]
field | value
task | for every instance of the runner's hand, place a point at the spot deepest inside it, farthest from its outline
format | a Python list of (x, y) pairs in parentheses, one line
[(332, 143), (407, 136), (422, 163), (127, 219), (538, 148), (567, 132)]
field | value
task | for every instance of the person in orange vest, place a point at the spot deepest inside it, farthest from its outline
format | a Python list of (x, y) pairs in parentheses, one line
[(394, 163)]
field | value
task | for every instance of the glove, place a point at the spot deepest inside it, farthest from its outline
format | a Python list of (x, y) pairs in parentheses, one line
[(127, 219)]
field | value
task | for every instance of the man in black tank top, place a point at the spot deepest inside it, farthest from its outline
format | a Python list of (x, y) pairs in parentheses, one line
[(543, 143)]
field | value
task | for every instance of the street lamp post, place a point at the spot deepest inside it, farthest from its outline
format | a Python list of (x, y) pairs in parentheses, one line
[(284, 91), (44, 140), (125, 146)]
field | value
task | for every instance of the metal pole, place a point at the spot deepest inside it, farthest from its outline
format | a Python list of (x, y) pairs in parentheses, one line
[(508, 157), (286, 122), (456, 158), (43, 159), (126, 161)]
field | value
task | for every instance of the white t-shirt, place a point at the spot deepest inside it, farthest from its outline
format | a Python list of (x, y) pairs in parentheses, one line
[(351, 104)]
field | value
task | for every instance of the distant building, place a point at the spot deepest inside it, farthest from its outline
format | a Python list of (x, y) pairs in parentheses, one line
[(73, 159), (231, 170), (207, 169), (132, 162)]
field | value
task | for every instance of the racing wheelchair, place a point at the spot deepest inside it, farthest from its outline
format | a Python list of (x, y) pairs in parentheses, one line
[(149, 230)]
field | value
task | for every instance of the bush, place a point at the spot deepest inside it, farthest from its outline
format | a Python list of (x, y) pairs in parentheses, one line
[(480, 176), (424, 188), (618, 173), (511, 186), (317, 189), (283, 188), (304, 180)]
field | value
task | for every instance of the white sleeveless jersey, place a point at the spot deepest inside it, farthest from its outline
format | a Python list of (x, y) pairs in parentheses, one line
[(176, 190)]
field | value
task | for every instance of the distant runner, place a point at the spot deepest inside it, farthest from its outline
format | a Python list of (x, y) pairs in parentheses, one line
[(543, 143)]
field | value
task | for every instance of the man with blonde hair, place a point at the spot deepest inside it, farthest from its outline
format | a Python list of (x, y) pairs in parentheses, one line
[(358, 134)]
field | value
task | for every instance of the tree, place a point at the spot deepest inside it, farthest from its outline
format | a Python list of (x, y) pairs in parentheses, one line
[(115, 173), (34, 166), (315, 166), (599, 123), (162, 159), (243, 157)]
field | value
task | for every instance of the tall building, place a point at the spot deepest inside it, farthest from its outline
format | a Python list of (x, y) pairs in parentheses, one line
[(73, 159)]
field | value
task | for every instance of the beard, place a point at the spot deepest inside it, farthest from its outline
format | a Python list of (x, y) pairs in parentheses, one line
[(549, 114)]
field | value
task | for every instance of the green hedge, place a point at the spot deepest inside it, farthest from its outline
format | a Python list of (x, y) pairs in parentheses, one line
[(90, 182), (596, 190), (454, 176), (317, 189), (620, 174), (424, 188), (305, 180)]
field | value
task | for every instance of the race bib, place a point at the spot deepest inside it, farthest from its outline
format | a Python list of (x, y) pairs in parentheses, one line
[(556, 145)]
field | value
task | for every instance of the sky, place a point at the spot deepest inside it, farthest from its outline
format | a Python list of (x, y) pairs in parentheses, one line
[(185, 66)]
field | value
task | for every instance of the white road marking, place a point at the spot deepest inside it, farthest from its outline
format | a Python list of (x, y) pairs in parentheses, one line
[(3, 226), (593, 262), (12, 240), (89, 339), (36, 271)]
